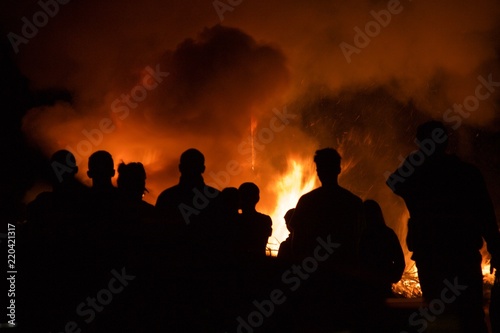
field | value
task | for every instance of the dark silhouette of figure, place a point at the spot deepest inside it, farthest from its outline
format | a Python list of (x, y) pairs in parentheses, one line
[(65, 197), (103, 194), (327, 226), (132, 180), (329, 211), (256, 228), (49, 247), (191, 199), (285, 249), (450, 214), (64, 170), (381, 254), (194, 213), (101, 170), (131, 183)]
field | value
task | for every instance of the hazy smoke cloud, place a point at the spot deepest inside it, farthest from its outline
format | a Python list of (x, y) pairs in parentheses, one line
[(266, 55)]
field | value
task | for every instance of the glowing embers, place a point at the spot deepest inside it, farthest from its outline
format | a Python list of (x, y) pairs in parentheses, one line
[(409, 285)]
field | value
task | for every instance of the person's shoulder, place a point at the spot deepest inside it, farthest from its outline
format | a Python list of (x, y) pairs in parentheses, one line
[(263, 217), (463, 167), (211, 191), (146, 205), (312, 194), (41, 199), (169, 191), (349, 195)]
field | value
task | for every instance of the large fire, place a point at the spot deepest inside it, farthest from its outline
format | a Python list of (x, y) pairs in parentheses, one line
[(299, 179)]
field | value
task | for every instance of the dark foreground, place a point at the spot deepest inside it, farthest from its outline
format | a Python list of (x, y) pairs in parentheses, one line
[(260, 296)]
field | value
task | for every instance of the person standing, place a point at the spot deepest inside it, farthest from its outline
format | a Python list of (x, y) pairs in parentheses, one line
[(450, 214), (332, 217)]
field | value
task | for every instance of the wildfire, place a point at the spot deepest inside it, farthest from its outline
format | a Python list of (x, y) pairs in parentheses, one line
[(299, 179)]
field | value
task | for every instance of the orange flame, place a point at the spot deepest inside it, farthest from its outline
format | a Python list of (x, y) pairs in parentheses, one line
[(298, 180)]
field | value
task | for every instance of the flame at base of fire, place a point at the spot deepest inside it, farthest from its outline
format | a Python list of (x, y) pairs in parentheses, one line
[(409, 285)]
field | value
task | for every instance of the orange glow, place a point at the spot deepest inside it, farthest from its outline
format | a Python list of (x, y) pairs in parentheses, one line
[(409, 285), (298, 180), (488, 278), (253, 126)]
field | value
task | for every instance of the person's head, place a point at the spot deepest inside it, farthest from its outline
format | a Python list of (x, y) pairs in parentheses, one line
[(101, 168), (327, 165), (432, 137), (132, 179), (288, 217), (192, 162), (63, 166), (249, 195), (373, 213)]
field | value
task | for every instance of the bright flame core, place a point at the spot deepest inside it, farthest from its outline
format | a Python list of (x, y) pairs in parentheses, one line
[(299, 179)]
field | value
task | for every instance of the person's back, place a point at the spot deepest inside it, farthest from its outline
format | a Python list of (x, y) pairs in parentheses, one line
[(327, 226), (450, 208), (50, 241), (131, 184), (285, 248), (103, 194), (191, 200), (450, 214), (329, 211), (445, 205), (256, 227), (382, 256)]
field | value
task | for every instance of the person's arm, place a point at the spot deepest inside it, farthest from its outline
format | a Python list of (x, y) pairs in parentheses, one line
[(402, 180), (270, 226), (298, 223), (398, 256)]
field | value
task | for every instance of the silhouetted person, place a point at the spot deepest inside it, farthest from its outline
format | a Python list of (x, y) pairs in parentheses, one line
[(49, 247), (327, 226), (285, 249), (329, 211), (66, 192), (64, 170), (256, 228), (191, 199), (381, 254), (131, 183), (101, 170), (450, 214), (194, 212), (103, 195), (132, 180)]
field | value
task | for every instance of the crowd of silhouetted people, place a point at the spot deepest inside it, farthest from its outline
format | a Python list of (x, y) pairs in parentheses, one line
[(101, 259)]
